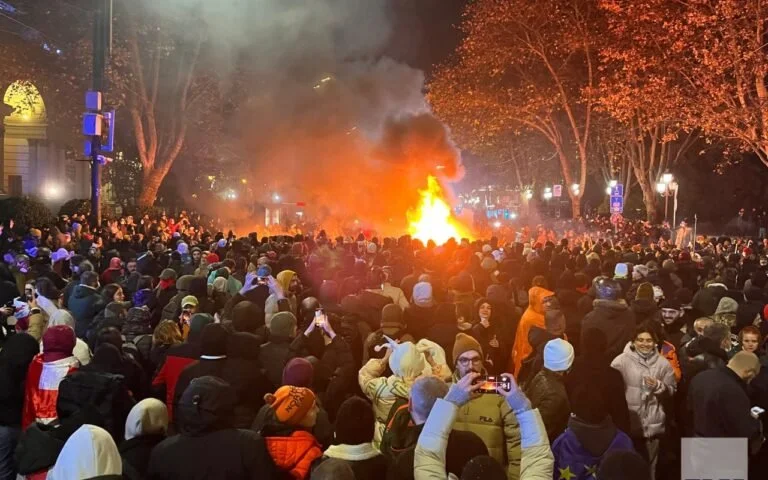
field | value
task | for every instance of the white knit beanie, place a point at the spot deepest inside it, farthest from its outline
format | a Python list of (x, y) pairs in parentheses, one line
[(558, 355)]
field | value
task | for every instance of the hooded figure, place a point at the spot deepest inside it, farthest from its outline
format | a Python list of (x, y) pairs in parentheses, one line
[(726, 312), (81, 352), (145, 428), (533, 317), (283, 279), (89, 453), (45, 373), (407, 364), (207, 447), (247, 382), (114, 273)]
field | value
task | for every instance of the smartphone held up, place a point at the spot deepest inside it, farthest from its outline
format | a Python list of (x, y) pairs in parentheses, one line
[(320, 318), (491, 383)]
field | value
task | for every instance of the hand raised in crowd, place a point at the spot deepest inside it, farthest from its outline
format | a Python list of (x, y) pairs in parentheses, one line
[(464, 390), (515, 397), (275, 288), (250, 283)]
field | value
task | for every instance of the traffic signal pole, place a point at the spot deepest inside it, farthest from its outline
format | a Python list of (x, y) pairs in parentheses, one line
[(102, 43)]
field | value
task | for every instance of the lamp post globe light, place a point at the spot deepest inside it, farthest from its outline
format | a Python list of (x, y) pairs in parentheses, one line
[(668, 187)]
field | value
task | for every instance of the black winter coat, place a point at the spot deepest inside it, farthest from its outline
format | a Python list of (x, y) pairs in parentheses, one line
[(273, 356), (248, 382), (216, 455), (593, 370), (721, 406), (136, 453), (615, 320), (569, 305)]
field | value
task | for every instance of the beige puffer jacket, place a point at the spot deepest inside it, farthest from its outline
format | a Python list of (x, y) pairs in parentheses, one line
[(646, 412)]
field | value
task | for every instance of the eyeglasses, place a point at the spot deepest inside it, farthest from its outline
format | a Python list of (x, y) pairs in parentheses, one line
[(466, 361)]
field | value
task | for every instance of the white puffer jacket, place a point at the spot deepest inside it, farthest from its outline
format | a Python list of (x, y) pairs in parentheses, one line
[(646, 412)]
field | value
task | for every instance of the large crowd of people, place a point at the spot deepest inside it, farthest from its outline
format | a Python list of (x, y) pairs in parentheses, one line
[(157, 348)]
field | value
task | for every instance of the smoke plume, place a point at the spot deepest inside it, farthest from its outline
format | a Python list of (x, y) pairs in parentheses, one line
[(329, 119)]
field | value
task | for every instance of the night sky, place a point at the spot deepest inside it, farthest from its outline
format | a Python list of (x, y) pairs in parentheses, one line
[(425, 31)]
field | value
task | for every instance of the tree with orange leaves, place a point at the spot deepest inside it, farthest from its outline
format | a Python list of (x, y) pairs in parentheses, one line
[(525, 66), (692, 64)]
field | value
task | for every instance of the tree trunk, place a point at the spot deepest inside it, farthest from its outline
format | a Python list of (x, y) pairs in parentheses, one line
[(651, 202), (576, 205), (153, 178)]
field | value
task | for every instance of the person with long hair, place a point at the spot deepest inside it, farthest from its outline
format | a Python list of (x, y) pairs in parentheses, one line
[(166, 335)]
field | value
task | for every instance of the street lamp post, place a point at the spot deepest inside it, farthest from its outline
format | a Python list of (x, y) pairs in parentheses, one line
[(667, 187)]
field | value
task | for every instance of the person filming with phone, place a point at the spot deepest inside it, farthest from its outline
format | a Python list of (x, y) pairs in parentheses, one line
[(487, 414)]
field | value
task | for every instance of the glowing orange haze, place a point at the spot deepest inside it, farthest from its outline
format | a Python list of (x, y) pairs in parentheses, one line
[(433, 219)]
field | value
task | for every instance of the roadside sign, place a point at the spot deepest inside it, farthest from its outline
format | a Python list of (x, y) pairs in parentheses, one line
[(557, 191), (617, 204), (617, 191), (616, 218)]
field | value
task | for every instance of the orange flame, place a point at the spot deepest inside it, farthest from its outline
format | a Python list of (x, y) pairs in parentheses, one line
[(433, 219)]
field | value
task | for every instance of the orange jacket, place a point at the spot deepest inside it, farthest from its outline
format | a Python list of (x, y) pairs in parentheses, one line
[(533, 317), (294, 454)]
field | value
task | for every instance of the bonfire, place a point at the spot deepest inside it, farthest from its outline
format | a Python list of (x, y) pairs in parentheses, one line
[(433, 218)]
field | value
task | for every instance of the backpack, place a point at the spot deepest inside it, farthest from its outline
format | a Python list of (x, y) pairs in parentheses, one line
[(104, 393), (400, 433)]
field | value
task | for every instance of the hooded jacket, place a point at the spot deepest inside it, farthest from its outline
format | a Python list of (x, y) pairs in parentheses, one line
[(39, 446), (88, 454), (615, 320), (145, 428), (81, 352), (646, 407), (284, 279), (533, 317), (207, 447), (248, 384), (45, 373), (407, 364), (581, 448)]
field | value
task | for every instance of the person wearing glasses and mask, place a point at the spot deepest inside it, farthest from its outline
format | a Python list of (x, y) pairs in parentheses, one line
[(486, 415)]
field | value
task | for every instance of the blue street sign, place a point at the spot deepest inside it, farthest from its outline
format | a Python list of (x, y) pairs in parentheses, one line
[(617, 191), (617, 204)]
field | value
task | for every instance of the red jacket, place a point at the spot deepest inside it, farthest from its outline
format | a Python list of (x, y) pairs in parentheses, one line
[(178, 357)]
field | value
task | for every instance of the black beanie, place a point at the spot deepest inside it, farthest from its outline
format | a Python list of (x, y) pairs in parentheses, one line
[(213, 341), (354, 422)]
